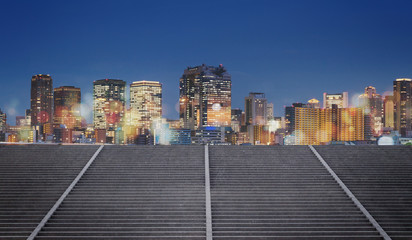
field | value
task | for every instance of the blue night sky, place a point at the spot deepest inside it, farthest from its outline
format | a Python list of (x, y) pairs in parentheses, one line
[(291, 50)]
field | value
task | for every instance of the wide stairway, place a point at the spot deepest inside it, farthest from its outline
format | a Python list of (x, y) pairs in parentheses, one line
[(32, 178), (136, 192), (159, 192), (283, 192), (381, 178)]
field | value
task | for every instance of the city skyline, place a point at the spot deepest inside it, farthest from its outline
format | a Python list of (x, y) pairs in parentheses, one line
[(87, 104), (292, 52)]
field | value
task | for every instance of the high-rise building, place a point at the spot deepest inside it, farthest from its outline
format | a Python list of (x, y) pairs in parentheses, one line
[(339, 99), (388, 109), (145, 103), (290, 117), (108, 104), (320, 126), (269, 111), (205, 97), (372, 104), (402, 93), (256, 109), (41, 104), (3, 121), (236, 119), (67, 100)]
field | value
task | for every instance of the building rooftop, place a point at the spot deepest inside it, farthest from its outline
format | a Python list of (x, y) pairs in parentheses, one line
[(204, 192)]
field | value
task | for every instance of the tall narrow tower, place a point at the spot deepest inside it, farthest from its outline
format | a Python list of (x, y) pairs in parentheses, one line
[(402, 93), (41, 104), (256, 109), (108, 103), (67, 101), (145, 103)]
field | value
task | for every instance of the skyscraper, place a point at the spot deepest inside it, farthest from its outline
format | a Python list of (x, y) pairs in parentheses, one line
[(371, 103), (236, 119), (3, 121), (402, 93), (41, 104), (388, 109), (205, 97), (256, 109), (108, 104), (339, 99), (145, 103), (67, 100), (269, 111)]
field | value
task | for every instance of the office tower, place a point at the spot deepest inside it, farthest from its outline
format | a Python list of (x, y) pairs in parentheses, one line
[(256, 109), (388, 109), (269, 111), (3, 121), (145, 103), (311, 126), (290, 117), (41, 104), (236, 119), (108, 105), (339, 99), (320, 126), (372, 104), (313, 103), (402, 93), (67, 100), (205, 97)]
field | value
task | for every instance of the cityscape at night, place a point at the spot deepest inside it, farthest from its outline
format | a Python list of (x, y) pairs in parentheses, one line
[(202, 120), (206, 116)]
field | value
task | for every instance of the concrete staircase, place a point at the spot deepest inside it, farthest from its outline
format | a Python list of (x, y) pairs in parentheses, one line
[(32, 178), (136, 192), (283, 192), (158, 192), (381, 178)]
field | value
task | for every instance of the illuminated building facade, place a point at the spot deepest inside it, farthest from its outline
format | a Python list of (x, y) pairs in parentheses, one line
[(145, 103), (402, 93), (256, 109), (41, 104), (372, 104), (108, 105), (339, 99), (3, 121), (388, 109), (205, 97), (67, 100), (315, 126)]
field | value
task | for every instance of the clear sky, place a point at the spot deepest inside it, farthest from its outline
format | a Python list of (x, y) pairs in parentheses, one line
[(291, 50)]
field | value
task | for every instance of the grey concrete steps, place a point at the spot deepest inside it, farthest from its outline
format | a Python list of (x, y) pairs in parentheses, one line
[(380, 177), (284, 188), (130, 192), (158, 192), (32, 178)]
